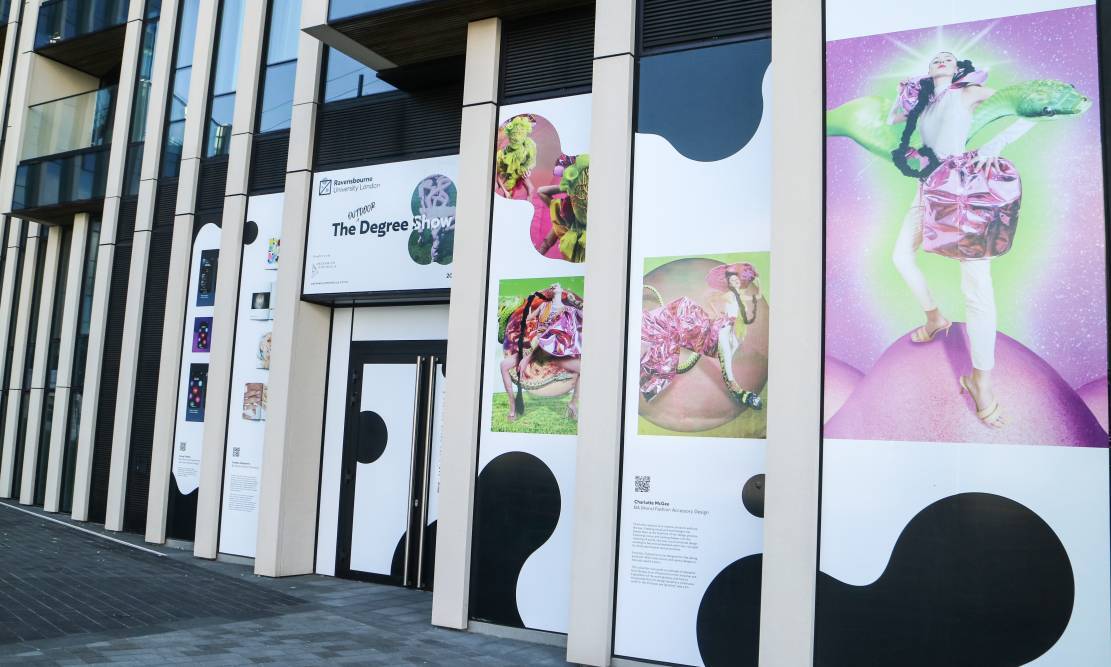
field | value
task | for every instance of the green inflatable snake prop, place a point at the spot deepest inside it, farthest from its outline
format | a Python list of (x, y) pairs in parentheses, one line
[(864, 120)]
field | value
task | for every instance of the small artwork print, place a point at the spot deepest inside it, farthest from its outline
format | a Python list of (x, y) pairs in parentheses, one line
[(273, 251), (202, 334), (206, 281), (540, 335), (195, 394), (433, 237), (260, 303), (254, 402), (704, 346), (263, 355), (530, 165)]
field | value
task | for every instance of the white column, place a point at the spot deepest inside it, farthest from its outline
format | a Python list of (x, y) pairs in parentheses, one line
[(155, 121), (22, 35), (140, 256), (206, 541), (33, 426), (466, 321), (598, 456), (19, 359), (299, 356), (71, 307), (795, 360)]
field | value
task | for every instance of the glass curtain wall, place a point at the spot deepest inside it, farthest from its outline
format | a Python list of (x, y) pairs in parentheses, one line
[(346, 78), (276, 107), (179, 89), (218, 130), (137, 137)]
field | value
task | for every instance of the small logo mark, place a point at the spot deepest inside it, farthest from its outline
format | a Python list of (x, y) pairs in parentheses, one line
[(326, 186)]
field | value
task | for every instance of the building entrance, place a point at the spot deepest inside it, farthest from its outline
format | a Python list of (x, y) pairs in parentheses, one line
[(390, 478)]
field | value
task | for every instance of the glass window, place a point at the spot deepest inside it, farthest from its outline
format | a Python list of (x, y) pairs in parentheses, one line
[(218, 133), (276, 105), (285, 28), (347, 78), (142, 84), (277, 97), (343, 8), (179, 97)]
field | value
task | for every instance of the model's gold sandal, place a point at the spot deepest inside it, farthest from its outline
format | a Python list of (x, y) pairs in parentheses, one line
[(991, 416), (924, 335)]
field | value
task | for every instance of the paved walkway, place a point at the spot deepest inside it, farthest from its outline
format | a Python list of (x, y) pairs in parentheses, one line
[(69, 597)]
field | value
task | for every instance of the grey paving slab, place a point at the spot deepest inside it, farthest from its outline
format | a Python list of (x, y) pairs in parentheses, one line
[(71, 598)]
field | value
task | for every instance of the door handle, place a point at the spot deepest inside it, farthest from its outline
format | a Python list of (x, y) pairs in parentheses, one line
[(412, 472), (428, 445)]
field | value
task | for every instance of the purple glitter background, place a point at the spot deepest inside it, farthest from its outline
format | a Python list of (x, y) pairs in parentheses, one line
[(1052, 298)]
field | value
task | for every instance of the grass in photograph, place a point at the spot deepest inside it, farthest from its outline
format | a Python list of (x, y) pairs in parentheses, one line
[(542, 415)]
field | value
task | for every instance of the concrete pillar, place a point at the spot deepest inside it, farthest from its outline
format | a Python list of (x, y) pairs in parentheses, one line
[(140, 254), (22, 35), (299, 354), (155, 123), (19, 359), (35, 397), (466, 324), (206, 543), (9, 283), (71, 307), (602, 380), (795, 361)]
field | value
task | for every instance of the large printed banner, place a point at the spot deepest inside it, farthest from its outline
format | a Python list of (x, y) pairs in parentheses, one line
[(964, 492), (382, 228), (526, 482), (691, 535), (254, 326), (196, 346)]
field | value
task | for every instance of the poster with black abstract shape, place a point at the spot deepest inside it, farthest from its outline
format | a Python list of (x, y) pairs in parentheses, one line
[(965, 335), (198, 388), (196, 346), (531, 363), (206, 284), (696, 374), (383, 228), (248, 400)]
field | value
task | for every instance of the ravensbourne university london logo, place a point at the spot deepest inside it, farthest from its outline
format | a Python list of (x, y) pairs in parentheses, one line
[(325, 186), (433, 235)]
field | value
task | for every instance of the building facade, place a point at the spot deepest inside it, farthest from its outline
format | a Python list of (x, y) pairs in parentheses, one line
[(232, 280)]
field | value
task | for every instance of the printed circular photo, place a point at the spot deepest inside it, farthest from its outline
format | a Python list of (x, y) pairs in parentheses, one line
[(433, 235), (530, 165)]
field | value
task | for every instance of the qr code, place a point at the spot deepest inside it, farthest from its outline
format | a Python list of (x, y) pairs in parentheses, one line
[(235, 452), (181, 446), (642, 484)]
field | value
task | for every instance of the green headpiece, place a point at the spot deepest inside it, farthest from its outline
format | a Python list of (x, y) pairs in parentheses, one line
[(507, 305)]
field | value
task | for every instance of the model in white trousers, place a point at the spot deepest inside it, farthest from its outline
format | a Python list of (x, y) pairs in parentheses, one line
[(976, 286)]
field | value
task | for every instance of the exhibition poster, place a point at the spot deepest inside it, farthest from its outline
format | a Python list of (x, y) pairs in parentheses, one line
[(533, 348), (964, 459)]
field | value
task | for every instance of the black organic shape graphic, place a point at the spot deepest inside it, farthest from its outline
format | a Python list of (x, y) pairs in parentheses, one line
[(372, 437), (974, 579), (250, 232), (728, 627), (707, 102), (517, 506), (752, 495)]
